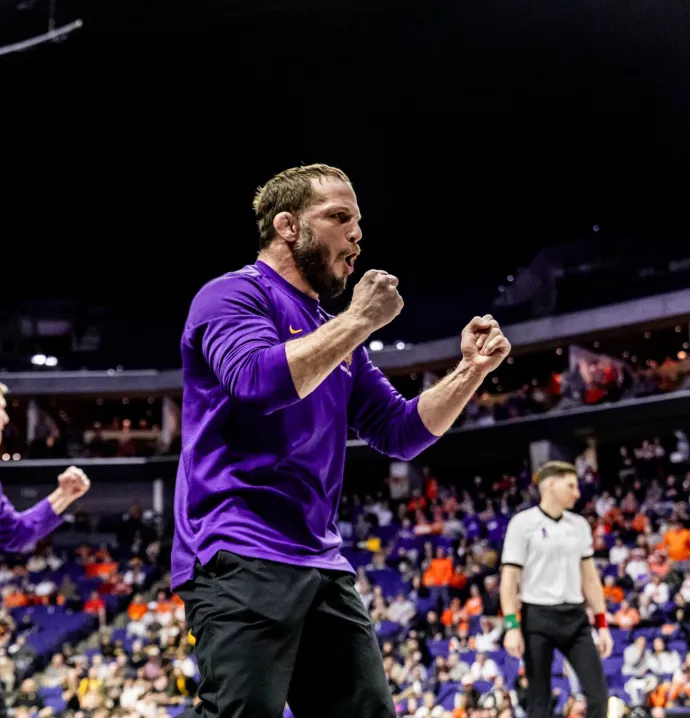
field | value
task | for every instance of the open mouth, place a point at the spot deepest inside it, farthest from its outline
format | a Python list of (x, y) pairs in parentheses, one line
[(350, 260)]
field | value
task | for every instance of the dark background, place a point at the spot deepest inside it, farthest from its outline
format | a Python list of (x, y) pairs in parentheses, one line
[(474, 133)]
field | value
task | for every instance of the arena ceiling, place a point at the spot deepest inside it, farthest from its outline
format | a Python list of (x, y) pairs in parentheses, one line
[(474, 132)]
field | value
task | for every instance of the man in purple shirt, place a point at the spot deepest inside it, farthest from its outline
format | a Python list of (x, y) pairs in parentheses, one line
[(271, 385), (19, 530)]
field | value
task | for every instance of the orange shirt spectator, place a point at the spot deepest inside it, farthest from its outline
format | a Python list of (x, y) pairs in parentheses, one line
[(440, 572), (418, 503), (474, 606), (16, 599), (136, 611), (614, 593), (659, 696), (95, 604), (677, 543), (678, 689), (626, 617), (432, 489), (640, 523), (614, 517), (454, 614), (458, 580)]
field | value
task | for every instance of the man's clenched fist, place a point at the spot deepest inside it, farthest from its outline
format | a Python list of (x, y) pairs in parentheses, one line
[(376, 299), (74, 483), (484, 347)]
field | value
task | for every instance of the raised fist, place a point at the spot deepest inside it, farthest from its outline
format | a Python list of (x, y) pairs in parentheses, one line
[(74, 483), (376, 299)]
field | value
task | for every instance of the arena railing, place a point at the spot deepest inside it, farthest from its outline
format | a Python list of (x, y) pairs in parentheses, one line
[(529, 336)]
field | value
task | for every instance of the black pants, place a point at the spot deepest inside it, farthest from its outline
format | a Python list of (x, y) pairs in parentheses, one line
[(269, 633), (567, 629)]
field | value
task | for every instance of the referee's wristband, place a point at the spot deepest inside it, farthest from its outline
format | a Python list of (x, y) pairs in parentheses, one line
[(600, 620), (510, 622)]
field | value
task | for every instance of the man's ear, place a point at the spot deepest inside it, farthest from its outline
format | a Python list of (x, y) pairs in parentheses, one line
[(286, 226)]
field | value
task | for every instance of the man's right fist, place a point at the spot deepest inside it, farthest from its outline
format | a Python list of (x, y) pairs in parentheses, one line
[(376, 299)]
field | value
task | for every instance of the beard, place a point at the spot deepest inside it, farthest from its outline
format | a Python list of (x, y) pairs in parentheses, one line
[(313, 259)]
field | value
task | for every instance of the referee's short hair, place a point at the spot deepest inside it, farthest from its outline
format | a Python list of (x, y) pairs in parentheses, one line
[(554, 470)]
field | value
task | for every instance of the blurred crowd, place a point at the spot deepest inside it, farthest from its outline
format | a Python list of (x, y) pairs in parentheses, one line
[(427, 571), (591, 380), (129, 427)]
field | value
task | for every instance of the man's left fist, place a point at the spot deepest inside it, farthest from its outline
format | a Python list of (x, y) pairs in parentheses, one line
[(74, 482), (484, 347)]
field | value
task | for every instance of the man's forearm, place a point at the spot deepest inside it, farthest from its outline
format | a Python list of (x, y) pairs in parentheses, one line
[(59, 501), (441, 405), (594, 594), (510, 603), (312, 358)]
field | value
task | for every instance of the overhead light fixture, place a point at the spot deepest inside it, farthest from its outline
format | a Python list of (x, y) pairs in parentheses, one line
[(51, 361), (376, 345), (400, 345), (38, 359)]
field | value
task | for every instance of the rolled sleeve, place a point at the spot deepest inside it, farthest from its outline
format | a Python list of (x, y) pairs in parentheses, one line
[(19, 530)]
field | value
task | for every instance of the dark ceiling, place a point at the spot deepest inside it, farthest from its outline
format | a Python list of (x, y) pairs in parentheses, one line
[(475, 132)]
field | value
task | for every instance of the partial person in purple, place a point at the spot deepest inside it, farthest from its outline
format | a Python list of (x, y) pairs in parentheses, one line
[(272, 384), (21, 529)]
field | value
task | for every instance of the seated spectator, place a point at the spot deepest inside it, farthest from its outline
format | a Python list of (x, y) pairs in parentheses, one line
[(96, 606), (484, 668), (402, 610), (612, 592), (626, 617), (656, 591), (662, 661), (677, 543), (489, 639)]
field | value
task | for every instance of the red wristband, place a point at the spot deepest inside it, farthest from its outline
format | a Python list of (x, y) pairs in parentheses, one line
[(600, 620)]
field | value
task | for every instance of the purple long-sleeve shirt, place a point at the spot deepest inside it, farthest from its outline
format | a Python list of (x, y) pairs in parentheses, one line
[(261, 470), (21, 529)]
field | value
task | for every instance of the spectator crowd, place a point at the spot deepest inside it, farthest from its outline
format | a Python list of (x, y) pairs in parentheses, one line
[(95, 631)]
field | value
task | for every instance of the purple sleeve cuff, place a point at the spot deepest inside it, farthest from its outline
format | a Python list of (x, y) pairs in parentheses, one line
[(417, 437), (43, 518)]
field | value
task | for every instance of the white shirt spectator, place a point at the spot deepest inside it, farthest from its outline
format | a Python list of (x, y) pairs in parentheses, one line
[(604, 504), (137, 578), (685, 590), (488, 642), (638, 570), (383, 514), (401, 611), (657, 593), (45, 588), (636, 659), (484, 671), (619, 555), (664, 663)]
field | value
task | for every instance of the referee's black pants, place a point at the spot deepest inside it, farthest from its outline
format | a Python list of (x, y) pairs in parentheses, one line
[(567, 629), (269, 633)]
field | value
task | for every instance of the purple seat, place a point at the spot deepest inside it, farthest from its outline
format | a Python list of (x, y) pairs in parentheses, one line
[(438, 648)]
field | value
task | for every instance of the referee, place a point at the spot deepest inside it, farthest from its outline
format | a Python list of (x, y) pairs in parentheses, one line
[(548, 558)]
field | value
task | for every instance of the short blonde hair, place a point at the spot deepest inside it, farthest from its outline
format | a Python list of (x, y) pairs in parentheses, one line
[(554, 469), (290, 191)]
